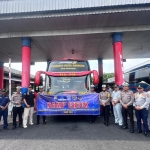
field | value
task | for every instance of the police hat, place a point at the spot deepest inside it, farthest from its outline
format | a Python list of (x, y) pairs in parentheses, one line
[(3, 90), (115, 86), (41, 87), (103, 86), (29, 86), (125, 84), (92, 86), (18, 87), (140, 86)]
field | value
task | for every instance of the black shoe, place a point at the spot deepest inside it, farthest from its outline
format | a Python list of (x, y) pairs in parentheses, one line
[(90, 122), (44, 122), (125, 127), (20, 126), (131, 131), (120, 126), (95, 122), (5, 128), (116, 123), (139, 131), (107, 124), (146, 134), (104, 123), (14, 127), (37, 123)]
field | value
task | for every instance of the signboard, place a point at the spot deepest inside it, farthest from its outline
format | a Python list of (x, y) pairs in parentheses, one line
[(68, 105), (68, 66)]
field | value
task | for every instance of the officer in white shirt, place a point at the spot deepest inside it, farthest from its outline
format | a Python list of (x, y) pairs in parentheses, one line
[(117, 106), (141, 109)]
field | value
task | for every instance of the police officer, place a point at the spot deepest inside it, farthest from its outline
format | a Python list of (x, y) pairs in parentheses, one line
[(4, 102), (92, 118), (29, 100), (104, 98), (126, 100), (117, 106), (41, 92), (141, 109), (16, 99), (92, 90)]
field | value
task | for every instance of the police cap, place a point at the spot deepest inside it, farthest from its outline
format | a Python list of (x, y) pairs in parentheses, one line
[(41, 87), (116, 86), (30, 86), (92, 86), (18, 87), (140, 86), (103, 86), (3, 90), (125, 84)]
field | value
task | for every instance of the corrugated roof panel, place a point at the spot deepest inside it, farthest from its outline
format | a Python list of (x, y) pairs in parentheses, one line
[(18, 6)]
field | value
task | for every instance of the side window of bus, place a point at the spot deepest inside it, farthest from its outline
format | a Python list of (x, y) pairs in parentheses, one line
[(132, 77)]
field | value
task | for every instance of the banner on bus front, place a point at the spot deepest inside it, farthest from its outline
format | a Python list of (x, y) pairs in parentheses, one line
[(87, 104)]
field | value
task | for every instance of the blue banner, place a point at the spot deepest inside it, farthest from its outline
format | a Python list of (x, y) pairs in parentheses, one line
[(68, 105)]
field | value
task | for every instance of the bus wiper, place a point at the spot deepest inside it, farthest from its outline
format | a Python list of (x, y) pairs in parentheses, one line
[(67, 92)]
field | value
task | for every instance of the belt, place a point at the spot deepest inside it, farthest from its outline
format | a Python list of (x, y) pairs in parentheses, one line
[(16, 105)]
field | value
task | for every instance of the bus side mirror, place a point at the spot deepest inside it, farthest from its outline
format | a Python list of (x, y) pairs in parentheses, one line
[(37, 78), (95, 77)]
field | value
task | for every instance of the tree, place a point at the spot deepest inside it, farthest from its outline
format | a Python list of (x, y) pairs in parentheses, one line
[(107, 76)]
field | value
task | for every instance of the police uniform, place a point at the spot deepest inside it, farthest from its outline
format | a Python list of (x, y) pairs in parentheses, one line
[(104, 97), (92, 118), (28, 98), (142, 101), (4, 101), (127, 98), (117, 107), (16, 100), (38, 116)]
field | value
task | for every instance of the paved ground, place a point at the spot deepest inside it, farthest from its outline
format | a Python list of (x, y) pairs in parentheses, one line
[(72, 133)]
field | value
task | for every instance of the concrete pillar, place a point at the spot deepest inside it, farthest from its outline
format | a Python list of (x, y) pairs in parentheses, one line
[(1, 75), (118, 58), (26, 60), (100, 72)]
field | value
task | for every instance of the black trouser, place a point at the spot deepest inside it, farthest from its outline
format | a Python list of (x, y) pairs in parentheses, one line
[(106, 113), (111, 108), (38, 118), (17, 111), (129, 111)]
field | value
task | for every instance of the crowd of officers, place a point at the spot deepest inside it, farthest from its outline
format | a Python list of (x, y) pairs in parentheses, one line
[(124, 102), (23, 106), (121, 103)]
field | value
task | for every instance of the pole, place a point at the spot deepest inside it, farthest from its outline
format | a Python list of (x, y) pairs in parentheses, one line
[(9, 77)]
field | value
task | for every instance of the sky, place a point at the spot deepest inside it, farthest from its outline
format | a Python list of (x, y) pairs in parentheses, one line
[(108, 65)]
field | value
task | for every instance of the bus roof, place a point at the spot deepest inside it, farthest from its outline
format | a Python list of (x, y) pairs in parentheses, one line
[(140, 66)]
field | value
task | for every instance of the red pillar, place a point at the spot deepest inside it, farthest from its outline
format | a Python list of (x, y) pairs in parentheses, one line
[(118, 58), (1, 75), (26, 59)]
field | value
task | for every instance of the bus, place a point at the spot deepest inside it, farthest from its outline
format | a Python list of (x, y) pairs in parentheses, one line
[(67, 83), (138, 74)]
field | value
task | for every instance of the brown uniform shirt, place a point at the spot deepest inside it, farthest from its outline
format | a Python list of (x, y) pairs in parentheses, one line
[(16, 98), (127, 97), (104, 97)]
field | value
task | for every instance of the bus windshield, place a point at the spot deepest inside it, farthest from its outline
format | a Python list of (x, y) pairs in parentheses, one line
[(68, 66), (63, 84)]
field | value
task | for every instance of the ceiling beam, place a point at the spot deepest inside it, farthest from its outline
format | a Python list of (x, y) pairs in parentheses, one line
[(75, 31)]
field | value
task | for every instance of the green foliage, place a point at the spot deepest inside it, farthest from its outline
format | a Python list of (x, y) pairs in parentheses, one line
[(107, 76)]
